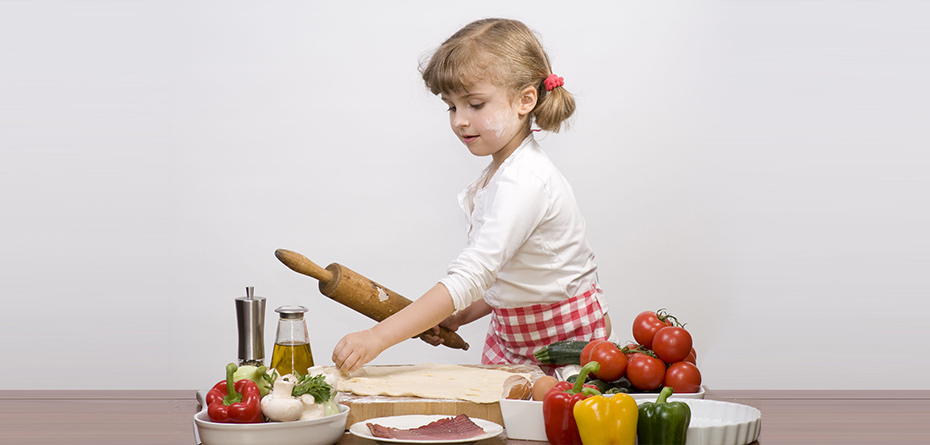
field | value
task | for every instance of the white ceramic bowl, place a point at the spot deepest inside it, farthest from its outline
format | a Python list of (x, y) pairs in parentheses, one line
[(722, 423), (323, 431), (523, 419)]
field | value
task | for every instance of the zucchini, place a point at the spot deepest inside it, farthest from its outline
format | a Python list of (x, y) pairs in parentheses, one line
[(616, 387), (565, 352), (617, 390), (601, 385), (624, 385)]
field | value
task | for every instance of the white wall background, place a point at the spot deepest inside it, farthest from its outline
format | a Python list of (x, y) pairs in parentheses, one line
[(758, 168)]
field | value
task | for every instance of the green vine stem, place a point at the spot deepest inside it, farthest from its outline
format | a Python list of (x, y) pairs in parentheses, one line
[(663, 315)]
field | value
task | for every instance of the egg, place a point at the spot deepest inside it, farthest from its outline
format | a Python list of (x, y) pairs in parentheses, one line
[(542, 385), (517, 387)]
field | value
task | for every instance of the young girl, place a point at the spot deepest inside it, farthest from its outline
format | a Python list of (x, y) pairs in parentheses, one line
[(527, 260)]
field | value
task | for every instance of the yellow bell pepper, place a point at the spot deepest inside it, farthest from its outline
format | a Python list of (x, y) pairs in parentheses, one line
[(607, 420)]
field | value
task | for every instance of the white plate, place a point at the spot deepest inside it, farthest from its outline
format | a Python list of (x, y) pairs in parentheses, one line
[(360, 429)]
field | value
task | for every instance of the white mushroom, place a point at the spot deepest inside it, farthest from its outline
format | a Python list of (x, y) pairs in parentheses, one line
[(311, 409), (280, 405)]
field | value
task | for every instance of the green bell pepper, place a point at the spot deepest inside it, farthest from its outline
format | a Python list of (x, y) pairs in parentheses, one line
[(663, 422)]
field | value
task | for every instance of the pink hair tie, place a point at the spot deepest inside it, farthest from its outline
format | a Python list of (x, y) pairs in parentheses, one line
[(553, 81)]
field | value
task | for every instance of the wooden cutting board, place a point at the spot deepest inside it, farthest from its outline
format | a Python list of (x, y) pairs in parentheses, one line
[(368, 407)]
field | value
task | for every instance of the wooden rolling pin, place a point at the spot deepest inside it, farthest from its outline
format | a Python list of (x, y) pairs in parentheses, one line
[(359, 293)]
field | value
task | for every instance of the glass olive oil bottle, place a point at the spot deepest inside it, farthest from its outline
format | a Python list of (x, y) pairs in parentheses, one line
[(291, 346)]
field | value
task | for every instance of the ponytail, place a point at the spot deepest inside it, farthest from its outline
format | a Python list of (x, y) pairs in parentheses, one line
[(553, 107)]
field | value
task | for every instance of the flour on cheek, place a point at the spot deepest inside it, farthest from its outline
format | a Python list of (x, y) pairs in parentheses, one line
[(499, 121)]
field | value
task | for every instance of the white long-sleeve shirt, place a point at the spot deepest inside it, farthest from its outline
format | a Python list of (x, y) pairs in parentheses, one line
[(526, 241)]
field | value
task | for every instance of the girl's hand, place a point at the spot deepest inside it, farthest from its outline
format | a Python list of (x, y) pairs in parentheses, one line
[(356, 349), (451, 323)]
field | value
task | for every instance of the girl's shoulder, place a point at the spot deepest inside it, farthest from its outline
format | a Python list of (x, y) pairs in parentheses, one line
[(530, 169), (531, 159)]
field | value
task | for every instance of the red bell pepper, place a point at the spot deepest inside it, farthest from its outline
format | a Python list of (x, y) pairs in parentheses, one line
[(238, 402), (558, 404)]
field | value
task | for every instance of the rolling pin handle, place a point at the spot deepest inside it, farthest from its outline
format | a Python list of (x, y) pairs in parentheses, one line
[(450, 338), (300, 264)]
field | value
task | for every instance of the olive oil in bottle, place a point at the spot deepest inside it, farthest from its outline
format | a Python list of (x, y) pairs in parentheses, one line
[(291, 346), (289, 357)]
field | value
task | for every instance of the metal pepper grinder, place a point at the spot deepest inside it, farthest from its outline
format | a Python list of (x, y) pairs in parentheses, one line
[(250, 319)]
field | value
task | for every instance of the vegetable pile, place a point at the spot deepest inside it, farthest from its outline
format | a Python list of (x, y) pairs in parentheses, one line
[(251, 395), (662, 356), (594, 407), (576, 413)]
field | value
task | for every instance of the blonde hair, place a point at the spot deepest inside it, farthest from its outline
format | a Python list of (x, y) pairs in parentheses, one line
[(506, 53)]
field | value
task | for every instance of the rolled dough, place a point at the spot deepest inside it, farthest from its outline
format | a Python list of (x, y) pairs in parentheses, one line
[(429, 380)]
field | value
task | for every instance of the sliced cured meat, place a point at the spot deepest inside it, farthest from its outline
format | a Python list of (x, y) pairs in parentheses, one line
[(449, 428)]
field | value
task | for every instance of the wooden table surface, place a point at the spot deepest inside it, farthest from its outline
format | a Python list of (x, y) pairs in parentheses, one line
[(165, 417)]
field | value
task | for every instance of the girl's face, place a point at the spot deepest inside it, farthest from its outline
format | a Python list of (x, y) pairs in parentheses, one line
[(487, 120)]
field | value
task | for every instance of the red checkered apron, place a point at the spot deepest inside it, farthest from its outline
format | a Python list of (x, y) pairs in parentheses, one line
[(515, 333)]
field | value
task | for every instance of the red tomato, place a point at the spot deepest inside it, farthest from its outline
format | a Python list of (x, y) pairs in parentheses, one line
[(645, 372), (629, 359), (586, 351), (611, 360), (672, 344), (683, 377), (692, 357), (646, 325)]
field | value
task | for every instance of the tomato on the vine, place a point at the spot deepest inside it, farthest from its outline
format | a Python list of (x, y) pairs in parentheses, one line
[(683, 377), (611, 360), (692, 357), (646, 324), (645, 372), (586, 351), (672, 344)]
